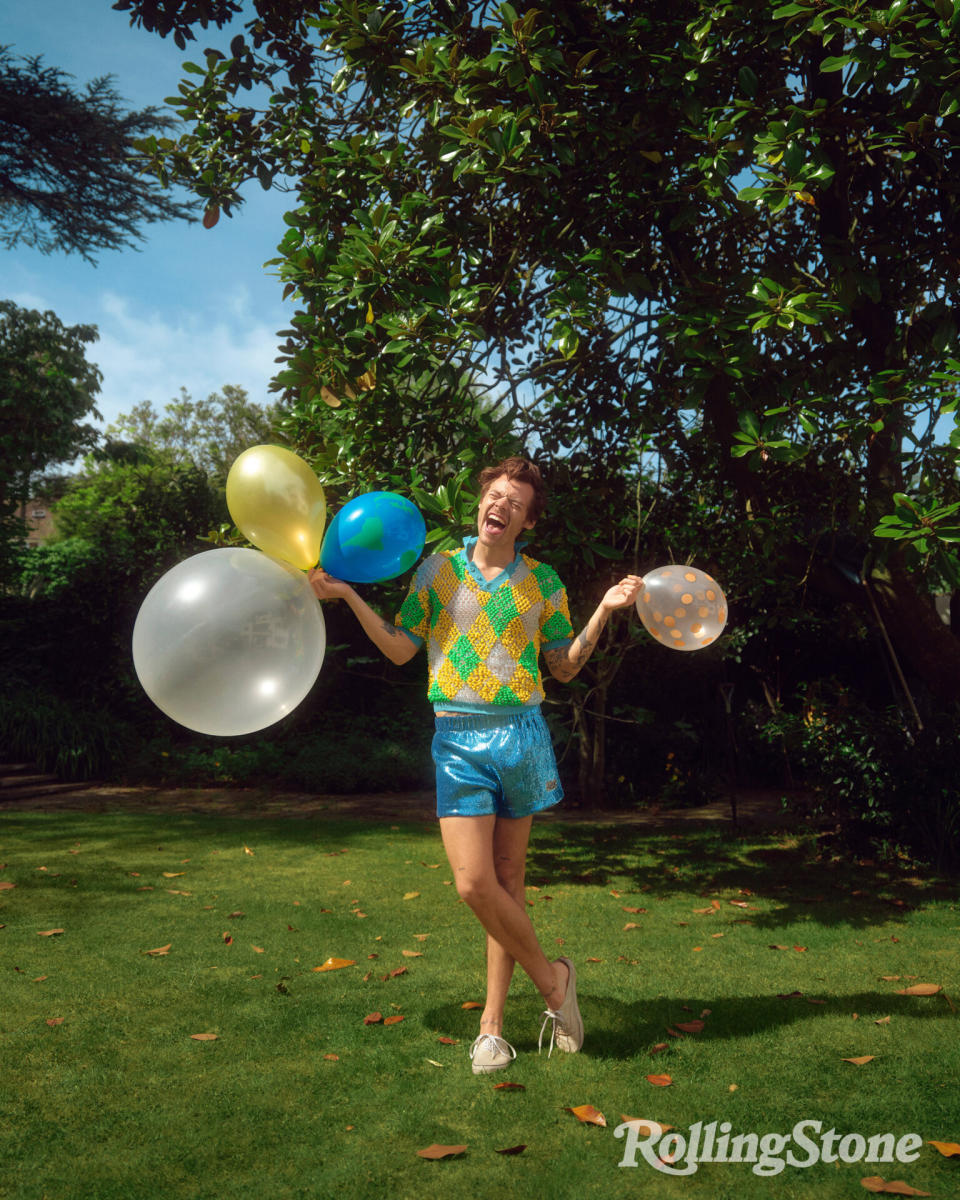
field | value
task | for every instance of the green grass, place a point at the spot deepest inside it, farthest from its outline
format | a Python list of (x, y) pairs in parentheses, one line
[(119, 1101)]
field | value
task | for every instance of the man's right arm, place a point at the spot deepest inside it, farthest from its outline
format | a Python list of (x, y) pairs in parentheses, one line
[(390, 640)]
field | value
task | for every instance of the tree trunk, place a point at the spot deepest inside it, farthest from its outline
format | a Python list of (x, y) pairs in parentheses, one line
[(592, 765)]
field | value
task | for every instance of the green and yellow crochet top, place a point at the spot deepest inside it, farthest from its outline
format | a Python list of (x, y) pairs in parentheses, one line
[(484, 637)]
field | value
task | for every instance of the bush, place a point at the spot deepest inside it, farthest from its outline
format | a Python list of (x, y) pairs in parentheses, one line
[(73, 741), (882, 779)]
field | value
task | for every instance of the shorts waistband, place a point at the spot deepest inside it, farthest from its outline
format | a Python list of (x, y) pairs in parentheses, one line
[(460, 721)]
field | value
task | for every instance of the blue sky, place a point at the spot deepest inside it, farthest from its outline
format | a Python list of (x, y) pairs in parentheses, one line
[(191, 308)]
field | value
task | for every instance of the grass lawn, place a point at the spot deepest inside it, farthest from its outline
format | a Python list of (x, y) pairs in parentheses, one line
[(793, 961)]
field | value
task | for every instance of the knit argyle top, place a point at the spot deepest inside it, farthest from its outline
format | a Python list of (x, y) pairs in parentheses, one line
[(484, 637)]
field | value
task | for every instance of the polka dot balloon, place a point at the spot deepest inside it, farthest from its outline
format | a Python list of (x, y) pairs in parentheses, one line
[(682, 607)]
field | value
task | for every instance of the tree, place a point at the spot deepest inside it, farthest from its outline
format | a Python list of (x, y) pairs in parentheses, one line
[(726, 232), (207, 433), (70, 178), (47, 390)]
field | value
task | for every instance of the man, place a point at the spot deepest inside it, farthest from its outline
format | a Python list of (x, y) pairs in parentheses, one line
[(485, 613)]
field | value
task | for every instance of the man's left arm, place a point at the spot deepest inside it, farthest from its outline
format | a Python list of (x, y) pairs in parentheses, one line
[(565, 662)]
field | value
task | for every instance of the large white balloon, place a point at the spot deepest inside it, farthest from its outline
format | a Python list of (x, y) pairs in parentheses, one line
[(229, 641)]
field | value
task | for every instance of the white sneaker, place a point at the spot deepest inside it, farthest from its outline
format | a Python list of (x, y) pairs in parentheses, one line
[(567, 1029), (491, 1053)]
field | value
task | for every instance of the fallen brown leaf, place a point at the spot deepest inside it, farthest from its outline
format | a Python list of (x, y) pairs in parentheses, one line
[(947, 1149), (864, 1058), (55, 1020), (335, 964), (332, 1057), (373, 1019), (588, 1115), (448, 1041), (691, 1026), (659, 1047), (471, 1004), (509, 1087), (920, 989), (412, 953), (513, 1150), (173, 874), (392, 1020), (49, 932), (896, 1187), (436, 1152), (411, 895), (660, 1080), (160, 951), (204, 1037), (7, 886)]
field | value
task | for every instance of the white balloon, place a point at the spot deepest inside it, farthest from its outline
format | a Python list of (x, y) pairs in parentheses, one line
[(229, 641), (683, 607)]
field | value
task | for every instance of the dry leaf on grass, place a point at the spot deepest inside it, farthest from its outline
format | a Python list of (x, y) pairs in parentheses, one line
[(437, 1152), (411, 895), (947, 1149), (864, 1058), (896, 1187), (49, 932), (691, 1026), (55, 1020), (412, 953), (392, 1020), (660, 1080), (471, 1004), (160, 951), (513, 1150), (588, 1115), (509, 1087), (204, 1037), (373, 1018), (920, 989), (7, 886), (336, 964), (449, 1041)]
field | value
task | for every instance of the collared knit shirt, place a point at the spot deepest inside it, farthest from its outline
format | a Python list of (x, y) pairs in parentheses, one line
[(484, 637)]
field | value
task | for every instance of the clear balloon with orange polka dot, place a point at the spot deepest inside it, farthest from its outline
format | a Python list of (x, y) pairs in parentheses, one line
[(682, 607)]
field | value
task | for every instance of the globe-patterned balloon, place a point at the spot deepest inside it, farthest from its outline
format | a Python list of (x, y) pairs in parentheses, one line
[(682, 607), (373, 537)]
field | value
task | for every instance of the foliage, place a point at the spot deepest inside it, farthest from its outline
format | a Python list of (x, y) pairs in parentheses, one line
[(209, 434), (637, 228), (70, 178), (47, 389), (60, 736), (149, 514)]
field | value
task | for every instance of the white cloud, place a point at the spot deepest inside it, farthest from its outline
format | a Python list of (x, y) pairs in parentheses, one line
[(145, 354)]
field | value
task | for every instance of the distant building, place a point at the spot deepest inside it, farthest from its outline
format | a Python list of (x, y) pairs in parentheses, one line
[(37, 515)]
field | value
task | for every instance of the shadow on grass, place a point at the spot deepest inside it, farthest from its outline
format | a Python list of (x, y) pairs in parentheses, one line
[(787, 869), (618, 1030)]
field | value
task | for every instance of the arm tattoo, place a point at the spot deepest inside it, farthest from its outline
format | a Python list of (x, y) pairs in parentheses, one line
[(388, 628)]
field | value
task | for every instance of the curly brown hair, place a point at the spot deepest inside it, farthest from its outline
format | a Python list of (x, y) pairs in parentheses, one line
[(519, 470)]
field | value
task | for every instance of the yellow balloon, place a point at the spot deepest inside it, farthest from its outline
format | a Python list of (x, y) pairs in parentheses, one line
[(277, 503)]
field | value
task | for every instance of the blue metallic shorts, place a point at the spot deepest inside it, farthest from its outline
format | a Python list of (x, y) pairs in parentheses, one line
[(494, 765)]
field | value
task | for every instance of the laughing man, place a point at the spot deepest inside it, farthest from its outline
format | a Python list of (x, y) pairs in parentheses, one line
[(485, 613)]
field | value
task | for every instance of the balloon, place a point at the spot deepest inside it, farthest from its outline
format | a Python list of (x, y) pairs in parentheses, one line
[(682, 607), (277, 503), (373, 537), (229, 641)]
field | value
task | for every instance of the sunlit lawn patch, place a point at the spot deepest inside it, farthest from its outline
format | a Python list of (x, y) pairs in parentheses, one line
[(194, 1006)]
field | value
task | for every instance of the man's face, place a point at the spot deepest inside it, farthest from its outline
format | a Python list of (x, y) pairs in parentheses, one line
[(503, 512)]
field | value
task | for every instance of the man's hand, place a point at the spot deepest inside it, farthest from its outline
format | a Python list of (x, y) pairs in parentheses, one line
[(325, 587), (622, 594)]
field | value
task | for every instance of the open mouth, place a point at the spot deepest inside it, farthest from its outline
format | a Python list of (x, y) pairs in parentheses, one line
[(494, 524)]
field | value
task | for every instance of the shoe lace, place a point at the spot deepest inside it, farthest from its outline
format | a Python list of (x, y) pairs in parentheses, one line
[(500, 1045), (555, 1017)]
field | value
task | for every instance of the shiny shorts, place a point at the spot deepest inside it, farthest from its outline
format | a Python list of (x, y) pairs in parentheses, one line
[(494, 765)]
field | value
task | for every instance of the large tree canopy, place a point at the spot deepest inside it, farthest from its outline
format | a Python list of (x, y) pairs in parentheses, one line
[(727, 233), (70, 178)]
